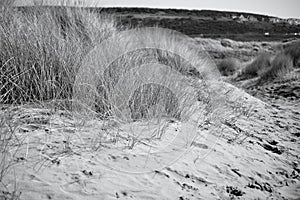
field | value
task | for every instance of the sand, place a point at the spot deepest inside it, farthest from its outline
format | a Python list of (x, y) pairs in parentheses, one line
[(250, 157)]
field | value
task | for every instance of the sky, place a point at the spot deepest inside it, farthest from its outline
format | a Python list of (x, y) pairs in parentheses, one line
[(278, 8)]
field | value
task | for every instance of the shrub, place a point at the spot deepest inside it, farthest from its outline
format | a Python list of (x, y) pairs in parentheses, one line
[(42, 48), (281, 64), (260, 64), (293, 50), (228, 66)]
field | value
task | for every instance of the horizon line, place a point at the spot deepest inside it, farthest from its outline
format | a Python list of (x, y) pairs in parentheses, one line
[(165, 8)]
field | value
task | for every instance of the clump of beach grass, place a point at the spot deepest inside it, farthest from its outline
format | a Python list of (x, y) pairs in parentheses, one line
[(293, 50), (42, 49), (63, 53), (260, 64), (281, 65), (228, 66), (139, 57)]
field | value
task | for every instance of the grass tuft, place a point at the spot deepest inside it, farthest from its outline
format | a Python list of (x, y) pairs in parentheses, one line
[(142, 57), (293, 50), (228, 66), (42, 48), (281, 64), (261, 63)]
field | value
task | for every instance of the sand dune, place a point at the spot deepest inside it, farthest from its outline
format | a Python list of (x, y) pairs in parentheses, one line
[(254, 157)]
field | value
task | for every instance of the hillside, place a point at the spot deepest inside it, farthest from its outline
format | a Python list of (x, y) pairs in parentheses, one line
[(206, 23), (209, 23)]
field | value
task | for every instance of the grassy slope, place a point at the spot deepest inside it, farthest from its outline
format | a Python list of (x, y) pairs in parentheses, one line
[(206, 22)]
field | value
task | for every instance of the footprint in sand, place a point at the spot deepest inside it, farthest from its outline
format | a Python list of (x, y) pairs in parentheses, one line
[(199, 145)]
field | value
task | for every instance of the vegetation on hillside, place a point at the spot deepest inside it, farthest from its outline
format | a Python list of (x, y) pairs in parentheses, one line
[(280, 65), (228, 66), (204, 23), (42, 49), (260, 64), (292, 49)]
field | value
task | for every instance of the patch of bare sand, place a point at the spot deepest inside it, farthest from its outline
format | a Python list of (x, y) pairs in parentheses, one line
[(249, 158)]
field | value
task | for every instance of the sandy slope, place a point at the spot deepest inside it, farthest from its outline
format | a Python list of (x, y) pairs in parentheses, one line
[(255, 157)]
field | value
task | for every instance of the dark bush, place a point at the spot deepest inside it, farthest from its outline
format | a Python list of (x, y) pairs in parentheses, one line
[(228, 66)]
